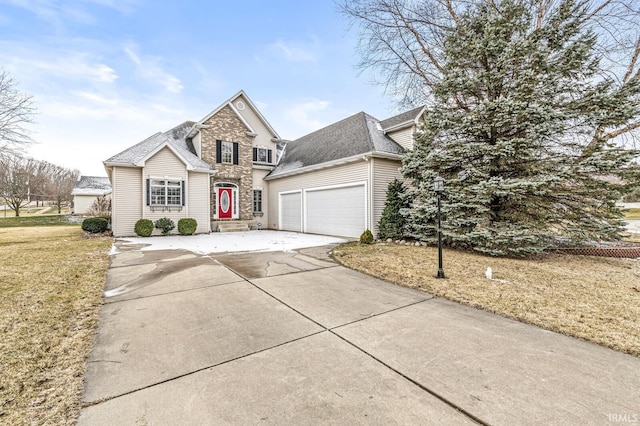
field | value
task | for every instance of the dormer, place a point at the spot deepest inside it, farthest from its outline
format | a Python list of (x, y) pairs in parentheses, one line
[(402, 127)]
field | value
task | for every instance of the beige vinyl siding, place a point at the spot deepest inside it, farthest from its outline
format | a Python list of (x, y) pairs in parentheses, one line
[(403, 137), (264, 136), (164, 164), (127, 200), (197, 207), (384, 171), (82, 203), (337, 175), (260, 183)]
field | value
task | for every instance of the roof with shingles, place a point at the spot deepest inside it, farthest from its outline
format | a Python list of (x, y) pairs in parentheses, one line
[(404, 117), (174, 138), (91, 185), (358, 134)]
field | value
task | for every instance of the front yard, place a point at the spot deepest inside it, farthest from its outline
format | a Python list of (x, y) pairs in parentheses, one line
[(51, 283), (595, 299)]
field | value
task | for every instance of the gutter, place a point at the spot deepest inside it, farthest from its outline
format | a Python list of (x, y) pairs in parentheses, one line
[(339, 162)]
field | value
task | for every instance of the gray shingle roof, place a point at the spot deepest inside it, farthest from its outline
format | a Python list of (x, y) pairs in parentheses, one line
[(91, 185), (358, 134), (401, 118), (175, 138)]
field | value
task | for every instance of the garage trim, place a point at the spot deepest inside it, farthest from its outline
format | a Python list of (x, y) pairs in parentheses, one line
[(364, 186), (280, 194)]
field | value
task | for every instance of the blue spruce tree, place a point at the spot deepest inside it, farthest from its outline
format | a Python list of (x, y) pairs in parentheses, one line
[(511, 131)]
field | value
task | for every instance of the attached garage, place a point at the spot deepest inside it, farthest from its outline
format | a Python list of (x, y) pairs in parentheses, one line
[(290, 208), (336, 211)]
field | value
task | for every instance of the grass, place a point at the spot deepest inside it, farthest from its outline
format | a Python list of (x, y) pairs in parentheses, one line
[(51, 284), (36, 220), (631, 213), (595, 299)]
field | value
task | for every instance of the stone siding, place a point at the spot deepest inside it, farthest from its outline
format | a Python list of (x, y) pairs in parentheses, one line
[(227, 126)]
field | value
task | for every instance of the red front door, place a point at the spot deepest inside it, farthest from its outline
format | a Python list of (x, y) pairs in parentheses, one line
[(225, 203)]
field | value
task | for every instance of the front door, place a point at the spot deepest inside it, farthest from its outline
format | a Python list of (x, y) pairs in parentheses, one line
[(225, 203)]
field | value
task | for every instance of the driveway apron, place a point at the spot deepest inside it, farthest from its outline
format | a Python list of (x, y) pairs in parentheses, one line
[(294, 338)]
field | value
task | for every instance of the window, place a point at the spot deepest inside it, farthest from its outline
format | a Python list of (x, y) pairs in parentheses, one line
[(226, 152), (262, 155), (257, 200), (165, 192)]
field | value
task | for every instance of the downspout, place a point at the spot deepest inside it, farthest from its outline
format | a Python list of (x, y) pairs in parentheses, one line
[(369, 219)]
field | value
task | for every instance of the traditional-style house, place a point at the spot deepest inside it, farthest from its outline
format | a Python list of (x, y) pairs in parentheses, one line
[(225, 172)]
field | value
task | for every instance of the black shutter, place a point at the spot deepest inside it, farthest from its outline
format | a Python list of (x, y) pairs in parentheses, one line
[(183, 193), (148, 193), (235, 153), (255, 154), (269, 158), (218, 151)]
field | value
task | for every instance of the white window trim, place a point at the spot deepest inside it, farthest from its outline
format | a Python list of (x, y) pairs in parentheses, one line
[(261, 211), (165, 179)]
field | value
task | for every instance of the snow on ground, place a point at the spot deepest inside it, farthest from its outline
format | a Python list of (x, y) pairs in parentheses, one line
[(218, 242)]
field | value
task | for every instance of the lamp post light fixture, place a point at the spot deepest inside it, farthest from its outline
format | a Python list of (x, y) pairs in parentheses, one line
[(438, 188)]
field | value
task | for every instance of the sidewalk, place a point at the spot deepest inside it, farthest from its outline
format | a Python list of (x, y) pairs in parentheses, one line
[(293, 338)]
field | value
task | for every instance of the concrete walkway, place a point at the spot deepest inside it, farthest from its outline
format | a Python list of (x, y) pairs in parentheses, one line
[(292, 338)]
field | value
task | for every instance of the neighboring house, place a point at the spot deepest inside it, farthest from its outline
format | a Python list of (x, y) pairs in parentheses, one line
[(86, 190), (227, 170)]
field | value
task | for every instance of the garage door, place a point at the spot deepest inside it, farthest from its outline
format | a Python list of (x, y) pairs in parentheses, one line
[(291, 211), (336, 211)]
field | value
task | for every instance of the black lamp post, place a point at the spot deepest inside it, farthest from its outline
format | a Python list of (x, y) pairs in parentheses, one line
[(438, 188)]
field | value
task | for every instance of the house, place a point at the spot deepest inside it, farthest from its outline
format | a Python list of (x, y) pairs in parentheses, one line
[(225, 171), (86, 190)]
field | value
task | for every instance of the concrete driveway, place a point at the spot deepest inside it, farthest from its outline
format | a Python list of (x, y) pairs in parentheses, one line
[(293, 338)]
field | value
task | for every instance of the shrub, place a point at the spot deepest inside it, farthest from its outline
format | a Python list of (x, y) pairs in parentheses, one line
[(165, 224), (392, 223), (366, 237), (144, 228), (187, 226), (95, 225)]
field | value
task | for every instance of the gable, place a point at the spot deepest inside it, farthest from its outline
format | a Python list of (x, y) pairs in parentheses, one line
[(165, 163)]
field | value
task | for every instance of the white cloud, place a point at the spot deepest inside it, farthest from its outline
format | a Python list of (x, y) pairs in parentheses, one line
[(305, 117), (149, 68), (292, 51), (72, 66), (57, 13)]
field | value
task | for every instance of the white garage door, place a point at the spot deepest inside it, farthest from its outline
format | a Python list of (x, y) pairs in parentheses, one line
[(336, 211), (291, 212)]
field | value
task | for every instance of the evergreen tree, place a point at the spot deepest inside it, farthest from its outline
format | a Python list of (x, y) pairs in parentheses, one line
[(392, 223), (509, 131)]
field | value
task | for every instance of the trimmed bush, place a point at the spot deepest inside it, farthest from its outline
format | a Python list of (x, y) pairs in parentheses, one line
[(144, 228), (95, 225), (366, 237), (165, 224), (187, 226)]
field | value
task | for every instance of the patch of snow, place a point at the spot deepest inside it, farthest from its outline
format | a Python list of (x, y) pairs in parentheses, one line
[(218, 242)]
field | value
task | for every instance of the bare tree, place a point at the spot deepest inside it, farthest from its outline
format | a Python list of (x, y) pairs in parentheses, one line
[(404, 41), (16, 112), (101, 206), (17, 176), (59, 183)]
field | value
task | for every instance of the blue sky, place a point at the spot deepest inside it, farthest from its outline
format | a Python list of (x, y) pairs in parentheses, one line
[(105, 74)]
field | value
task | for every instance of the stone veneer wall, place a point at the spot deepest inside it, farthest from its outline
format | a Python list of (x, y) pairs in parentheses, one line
[(226, 126)]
